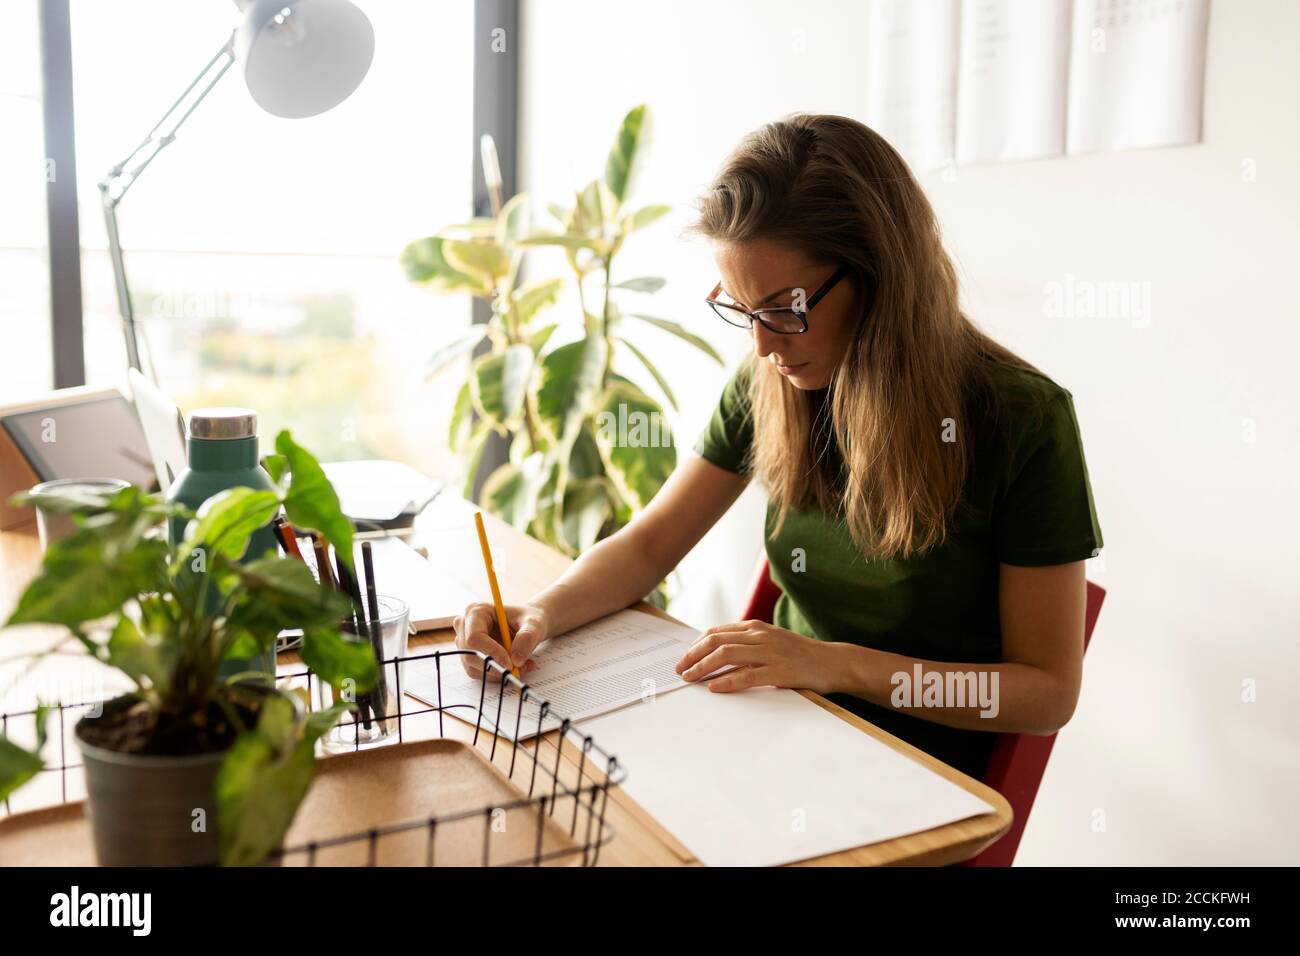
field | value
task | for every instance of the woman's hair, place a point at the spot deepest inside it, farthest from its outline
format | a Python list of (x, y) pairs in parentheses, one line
[(836, 191)]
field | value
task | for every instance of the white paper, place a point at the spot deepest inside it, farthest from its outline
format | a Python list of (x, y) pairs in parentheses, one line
[(1012, 79), (1137, 73), (402, 572), (590, 670), (765, 776), (912, 77)]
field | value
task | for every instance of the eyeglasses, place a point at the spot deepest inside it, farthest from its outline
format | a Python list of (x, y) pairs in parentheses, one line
[(786, 320)]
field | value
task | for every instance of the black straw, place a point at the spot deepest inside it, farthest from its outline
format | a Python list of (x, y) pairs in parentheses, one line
[(380, 697), (348, 584)]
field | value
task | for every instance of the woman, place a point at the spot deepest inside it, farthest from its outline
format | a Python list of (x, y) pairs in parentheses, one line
[(929, 506)]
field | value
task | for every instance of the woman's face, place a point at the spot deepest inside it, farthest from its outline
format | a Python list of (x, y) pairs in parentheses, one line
[(762, 274)]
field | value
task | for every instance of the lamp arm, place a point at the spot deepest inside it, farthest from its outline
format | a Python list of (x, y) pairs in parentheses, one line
[(122, 176)]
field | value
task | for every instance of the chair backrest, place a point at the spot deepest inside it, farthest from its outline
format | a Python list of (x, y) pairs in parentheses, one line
[(1018, 761), (763, 594)]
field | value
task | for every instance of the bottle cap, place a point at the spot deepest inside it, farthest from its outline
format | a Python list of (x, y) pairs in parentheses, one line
[(223, 423)]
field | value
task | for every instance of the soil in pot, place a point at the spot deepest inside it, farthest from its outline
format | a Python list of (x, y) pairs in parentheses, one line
[(133, 727)]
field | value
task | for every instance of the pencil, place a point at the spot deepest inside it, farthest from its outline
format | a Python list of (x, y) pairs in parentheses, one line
[(288, 538), (492, 583), (322, 561)]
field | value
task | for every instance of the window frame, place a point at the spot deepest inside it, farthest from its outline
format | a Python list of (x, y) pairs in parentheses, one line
[(495, 111)]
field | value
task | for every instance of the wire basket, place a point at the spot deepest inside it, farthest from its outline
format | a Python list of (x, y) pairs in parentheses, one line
[(562, 777)]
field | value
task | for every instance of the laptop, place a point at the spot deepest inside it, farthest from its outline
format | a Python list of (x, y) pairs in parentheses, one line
[(164, 428)]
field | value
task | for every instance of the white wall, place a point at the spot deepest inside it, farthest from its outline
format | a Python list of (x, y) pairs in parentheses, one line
[(1200, 521)]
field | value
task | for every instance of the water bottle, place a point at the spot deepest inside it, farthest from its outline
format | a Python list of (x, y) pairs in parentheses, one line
[(222, 452)]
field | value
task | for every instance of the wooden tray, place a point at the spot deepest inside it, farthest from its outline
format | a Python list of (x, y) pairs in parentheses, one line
[(380, 790)]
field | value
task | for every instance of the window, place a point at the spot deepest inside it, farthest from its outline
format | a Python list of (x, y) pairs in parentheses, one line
[(25, 360), (263, 252)]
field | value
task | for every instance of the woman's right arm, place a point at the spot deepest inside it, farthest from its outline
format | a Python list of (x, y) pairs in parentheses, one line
[(615, 573)]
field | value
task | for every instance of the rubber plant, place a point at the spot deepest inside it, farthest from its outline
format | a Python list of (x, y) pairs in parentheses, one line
[(169, 616), (588, 445)]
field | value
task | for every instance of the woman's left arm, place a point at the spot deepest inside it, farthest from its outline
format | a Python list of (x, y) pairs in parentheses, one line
[(1034, 691)]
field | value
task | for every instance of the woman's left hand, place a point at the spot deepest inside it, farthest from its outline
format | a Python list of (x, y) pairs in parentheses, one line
[(764, 655)]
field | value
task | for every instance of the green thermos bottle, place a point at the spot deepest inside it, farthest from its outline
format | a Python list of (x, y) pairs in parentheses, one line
[(222, 452)]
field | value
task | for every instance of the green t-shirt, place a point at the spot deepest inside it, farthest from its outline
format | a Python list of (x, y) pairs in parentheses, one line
[(1027, 501)]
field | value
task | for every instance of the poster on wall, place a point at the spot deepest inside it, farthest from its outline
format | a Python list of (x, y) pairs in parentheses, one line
[(1013, 67), (912, 77), (1137, 73)]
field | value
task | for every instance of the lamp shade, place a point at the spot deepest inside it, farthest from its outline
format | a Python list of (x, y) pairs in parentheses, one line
[(303, 57)]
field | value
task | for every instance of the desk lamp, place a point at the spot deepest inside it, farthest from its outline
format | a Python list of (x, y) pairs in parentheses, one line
[(299, 57)]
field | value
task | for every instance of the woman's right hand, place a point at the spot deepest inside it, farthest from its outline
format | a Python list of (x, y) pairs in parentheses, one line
[(476, 630)]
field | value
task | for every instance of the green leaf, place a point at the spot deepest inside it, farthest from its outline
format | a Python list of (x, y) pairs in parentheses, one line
[(17, 766), (650, 367), (276, 466), (261, 783), (511, 492), (480, 227), (43, 712), (77, 500), (485, 260), (113, 555), (498, 384), (567, 240), (584, 459), (226, 521), (537, 341), (454, 349), (458, 430), (622, 156), (142, 656), (678, 330), (514, 220), (478, 440), (643, 284), (635, 442), (590, 211), (586, 509), (425, 264), (89, 575), (319, 722), (559, 212), (644, 217), (535, 297), (278, 593), (311, 502), (570, 375), (337, 660), (515, 375)]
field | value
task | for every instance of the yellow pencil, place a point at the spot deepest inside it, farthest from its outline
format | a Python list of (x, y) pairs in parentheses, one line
[(492, 583)]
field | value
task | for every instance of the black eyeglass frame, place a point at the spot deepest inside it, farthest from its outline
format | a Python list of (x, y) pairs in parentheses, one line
[(801, 315)]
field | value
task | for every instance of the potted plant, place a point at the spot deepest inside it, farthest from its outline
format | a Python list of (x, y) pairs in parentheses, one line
[(193, 767), (588, 446)]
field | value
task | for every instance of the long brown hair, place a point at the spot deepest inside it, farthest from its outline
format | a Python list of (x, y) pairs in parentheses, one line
[(833, 189)]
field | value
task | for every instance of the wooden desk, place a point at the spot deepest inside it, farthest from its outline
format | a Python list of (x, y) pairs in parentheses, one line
[(526, 565)]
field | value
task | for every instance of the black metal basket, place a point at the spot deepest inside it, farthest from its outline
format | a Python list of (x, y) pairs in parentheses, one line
[(536, 766)]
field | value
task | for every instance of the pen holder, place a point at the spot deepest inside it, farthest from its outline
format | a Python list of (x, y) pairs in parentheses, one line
[(375, 717)]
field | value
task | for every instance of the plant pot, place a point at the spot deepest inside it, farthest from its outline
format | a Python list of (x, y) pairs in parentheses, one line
[(150, 810)]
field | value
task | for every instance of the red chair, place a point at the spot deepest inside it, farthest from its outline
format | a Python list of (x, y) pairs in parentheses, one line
[(1018, 761)]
